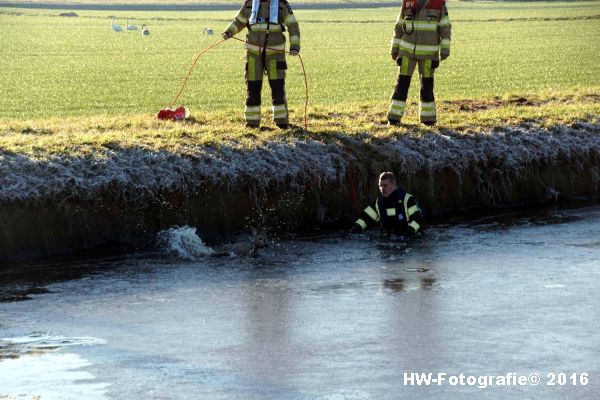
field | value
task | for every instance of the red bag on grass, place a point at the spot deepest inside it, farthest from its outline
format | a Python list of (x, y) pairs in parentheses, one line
[(173, 114)]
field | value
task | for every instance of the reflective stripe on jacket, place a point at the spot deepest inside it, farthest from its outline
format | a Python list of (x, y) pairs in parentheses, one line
[(422, 33), (398, 213), (266, 33)]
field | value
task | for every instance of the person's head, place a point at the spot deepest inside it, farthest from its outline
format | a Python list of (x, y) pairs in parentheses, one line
[(387, 183)]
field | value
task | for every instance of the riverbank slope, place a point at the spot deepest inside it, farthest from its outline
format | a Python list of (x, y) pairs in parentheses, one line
[(73, 184)]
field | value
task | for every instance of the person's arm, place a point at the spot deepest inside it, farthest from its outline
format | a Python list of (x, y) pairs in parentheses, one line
[(238, 24), (290, 22), (369, 215), (445, 29), (398, 32), (414, 217)]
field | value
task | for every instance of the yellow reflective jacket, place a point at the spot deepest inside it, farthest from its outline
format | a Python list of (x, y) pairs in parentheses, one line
[(267, 34), (422, 32), (398, 213)]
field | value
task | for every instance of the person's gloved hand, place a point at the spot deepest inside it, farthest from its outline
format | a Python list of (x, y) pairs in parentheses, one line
[(356, 229), (226, 35), (394, 56), (293, 52), (409, 232)]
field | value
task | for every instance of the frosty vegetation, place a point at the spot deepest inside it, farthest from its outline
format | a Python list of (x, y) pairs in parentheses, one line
[(137, 175)]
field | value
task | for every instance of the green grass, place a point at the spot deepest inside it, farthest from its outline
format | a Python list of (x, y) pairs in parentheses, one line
[(79, 136), (76, 67)]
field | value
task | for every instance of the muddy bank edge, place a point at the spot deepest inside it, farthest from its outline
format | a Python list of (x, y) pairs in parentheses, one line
[(61, 205)]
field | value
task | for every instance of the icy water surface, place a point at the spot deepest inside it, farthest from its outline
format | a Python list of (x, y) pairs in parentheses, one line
[(319, 318)]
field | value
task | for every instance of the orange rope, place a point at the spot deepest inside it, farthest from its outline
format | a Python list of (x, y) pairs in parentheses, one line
[(184, 83), (190, 71), (305, 94)]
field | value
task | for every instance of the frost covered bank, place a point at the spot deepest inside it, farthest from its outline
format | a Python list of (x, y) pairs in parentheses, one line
[(57, 204)]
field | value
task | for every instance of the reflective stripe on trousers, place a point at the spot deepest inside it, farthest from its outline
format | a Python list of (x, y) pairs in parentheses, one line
[(396, 110), (257, 66), (427, 111), (399, 97), (252, 113), (409, 64), (280, 113)]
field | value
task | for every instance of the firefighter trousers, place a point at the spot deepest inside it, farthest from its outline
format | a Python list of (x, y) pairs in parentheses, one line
[(427, 103), (274, 66)]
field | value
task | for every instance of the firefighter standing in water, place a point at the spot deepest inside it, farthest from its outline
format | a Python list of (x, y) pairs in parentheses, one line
[(422, 38), (395, 209), (266, 21)]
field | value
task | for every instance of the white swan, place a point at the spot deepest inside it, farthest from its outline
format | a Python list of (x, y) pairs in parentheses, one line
[(130, 27), (116, 28), (145, 30)]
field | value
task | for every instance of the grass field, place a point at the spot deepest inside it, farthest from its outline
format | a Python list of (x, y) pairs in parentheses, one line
[(54, 67)]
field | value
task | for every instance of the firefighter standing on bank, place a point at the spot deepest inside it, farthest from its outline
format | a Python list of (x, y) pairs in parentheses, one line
[(422, 38), (266, 21), (395, 209)]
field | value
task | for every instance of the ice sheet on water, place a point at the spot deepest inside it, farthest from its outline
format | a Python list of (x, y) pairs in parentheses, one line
[(50, 376), (42, 339), (38, 342), (184, 243)]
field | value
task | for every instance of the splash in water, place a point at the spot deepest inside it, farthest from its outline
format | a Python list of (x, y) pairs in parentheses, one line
[(184, 243)]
